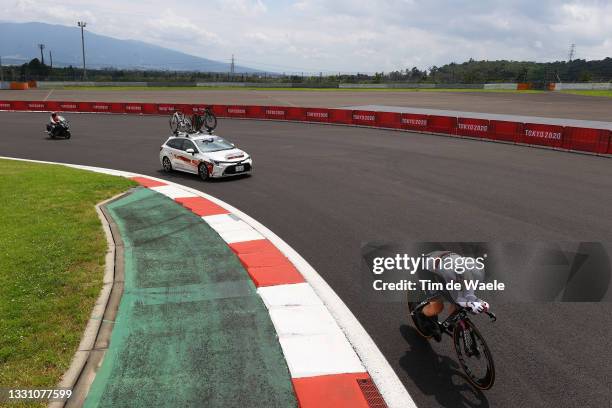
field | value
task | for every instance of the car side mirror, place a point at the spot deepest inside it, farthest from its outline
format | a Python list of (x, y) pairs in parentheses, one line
[(191, 151)]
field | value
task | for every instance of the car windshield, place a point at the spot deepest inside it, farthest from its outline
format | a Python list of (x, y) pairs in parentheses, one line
[(213, 145)]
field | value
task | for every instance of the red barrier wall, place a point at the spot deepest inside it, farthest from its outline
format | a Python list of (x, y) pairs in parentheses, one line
[(364, 118), (101, 107), (69, 106), (256, 112), (85, 107), (35, 106), (237, 111), (321, 115), (412, 121), (573, 138), (473, 127), (296, 114), (18, 105), (219, 110), (149, 108), (166, 108), (587, 140), (442, 124), (133, 108), (391, 120), (197, 109), (275, 112), (503, 130), (542, 135)]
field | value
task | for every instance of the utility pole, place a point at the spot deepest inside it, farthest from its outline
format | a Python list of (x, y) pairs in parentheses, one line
[(83, 24), (42, 56), (51, 59), (571, 53), (232, 66)]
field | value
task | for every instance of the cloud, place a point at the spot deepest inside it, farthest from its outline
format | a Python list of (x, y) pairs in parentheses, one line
[(171, 27), (243, 7), (344, 35), (55, 13)]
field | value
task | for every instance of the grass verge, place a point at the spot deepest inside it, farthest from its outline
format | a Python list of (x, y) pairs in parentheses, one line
[(590, 92), (52, 250)]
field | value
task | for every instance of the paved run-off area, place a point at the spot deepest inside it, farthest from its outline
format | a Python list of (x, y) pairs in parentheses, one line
[(545, 104), (191, 329)]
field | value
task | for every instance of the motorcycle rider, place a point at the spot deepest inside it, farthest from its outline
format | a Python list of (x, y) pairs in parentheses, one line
[(54, 120), (428, 317)]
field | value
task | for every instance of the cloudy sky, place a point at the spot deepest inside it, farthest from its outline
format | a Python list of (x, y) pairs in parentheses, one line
[(343, 35)]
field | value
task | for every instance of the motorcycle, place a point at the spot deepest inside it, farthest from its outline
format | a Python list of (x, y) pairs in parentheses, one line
[(59, 129)]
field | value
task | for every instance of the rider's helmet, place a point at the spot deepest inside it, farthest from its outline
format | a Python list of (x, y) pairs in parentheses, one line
[(53, 115)]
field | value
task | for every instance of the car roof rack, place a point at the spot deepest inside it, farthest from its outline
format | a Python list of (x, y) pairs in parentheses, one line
[(209, 132)]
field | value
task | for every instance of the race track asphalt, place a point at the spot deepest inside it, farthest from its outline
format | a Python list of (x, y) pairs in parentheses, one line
[(544, 104), (326, 189)]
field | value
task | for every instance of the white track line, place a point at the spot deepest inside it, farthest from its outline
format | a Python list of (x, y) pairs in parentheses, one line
[(48, 94)]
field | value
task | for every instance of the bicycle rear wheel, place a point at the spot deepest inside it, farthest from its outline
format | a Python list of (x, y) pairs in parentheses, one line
[(474, 355), (197, 122), (185, 125), (210, 120)]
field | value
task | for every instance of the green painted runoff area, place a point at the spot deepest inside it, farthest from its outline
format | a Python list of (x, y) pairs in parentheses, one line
[(191, 330)]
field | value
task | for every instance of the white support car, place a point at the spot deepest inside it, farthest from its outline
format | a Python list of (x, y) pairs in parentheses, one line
[(209, 156)]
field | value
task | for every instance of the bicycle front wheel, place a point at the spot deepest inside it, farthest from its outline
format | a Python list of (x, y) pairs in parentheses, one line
[(474, 355), (175, 119)]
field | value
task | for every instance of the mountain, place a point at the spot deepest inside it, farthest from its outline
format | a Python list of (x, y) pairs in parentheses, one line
[(19, 44)]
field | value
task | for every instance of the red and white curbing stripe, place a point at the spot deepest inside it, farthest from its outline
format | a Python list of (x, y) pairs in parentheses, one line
[(322, 363), (326, 349)]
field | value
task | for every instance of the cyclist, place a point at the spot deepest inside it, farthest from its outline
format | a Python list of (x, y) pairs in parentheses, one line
[(444, 272)]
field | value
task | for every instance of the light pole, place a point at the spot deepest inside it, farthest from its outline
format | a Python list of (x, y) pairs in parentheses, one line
[(42, 56), (83, 24)]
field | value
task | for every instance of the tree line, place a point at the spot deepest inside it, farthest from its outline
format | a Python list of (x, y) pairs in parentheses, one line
[(469, 72)]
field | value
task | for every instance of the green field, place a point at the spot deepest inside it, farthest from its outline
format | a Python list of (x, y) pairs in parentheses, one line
[(51, 266), (606, 94), (250, 88)]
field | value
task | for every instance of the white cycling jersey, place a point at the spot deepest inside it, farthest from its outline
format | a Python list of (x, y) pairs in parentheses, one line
[(446, 269)]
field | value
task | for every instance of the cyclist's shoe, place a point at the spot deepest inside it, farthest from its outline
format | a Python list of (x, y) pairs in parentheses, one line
[(475, 306), (430, 326)]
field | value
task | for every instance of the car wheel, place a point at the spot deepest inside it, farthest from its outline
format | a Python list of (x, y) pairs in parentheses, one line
[(203, 171), (166, 164)]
